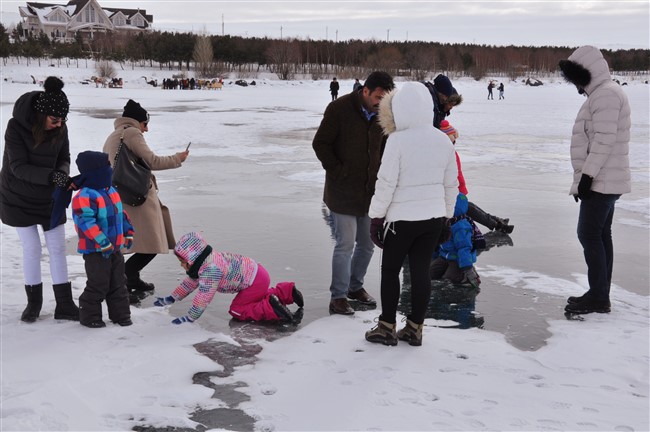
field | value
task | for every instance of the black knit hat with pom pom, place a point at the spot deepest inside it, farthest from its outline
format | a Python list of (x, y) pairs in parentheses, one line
[(52, 101)]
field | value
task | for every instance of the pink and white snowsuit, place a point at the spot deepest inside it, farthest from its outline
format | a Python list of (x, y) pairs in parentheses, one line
[(227, 272)]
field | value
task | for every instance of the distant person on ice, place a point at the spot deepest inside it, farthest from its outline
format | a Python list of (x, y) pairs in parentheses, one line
[(210, 272), (501, 88), (601, 169), (490, 87), (334, 88)]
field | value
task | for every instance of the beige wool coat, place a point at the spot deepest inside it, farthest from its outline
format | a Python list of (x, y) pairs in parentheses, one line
[(151, 221)]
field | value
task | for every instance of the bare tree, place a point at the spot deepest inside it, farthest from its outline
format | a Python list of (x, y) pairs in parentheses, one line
[(203, 57), (282, 57), (105, 69)]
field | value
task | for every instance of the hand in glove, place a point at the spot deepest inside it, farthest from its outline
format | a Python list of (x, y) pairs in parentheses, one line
[(108, 250), (128, 242), (584, 187), (183, 319), (164, 301), (60, 179), (377, 231)]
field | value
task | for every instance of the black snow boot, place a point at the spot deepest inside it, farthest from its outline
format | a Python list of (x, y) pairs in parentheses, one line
[(34, 303), (65, 307)]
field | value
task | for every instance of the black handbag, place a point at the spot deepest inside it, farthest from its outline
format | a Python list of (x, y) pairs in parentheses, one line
[(131, 176)]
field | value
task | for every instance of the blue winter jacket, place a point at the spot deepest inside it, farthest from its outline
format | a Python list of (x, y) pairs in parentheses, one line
[(459, 248)]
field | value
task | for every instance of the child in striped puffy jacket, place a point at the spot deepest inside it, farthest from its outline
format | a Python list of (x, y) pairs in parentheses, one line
[(211, 272), (103, 229)]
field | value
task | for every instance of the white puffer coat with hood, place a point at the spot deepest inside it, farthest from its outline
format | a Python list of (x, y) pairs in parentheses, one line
[(601, 133), (418, 176)]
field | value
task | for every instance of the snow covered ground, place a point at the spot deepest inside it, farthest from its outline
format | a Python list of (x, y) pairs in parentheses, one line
[(253, 185)]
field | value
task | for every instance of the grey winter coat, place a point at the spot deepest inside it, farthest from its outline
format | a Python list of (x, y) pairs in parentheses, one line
[(25, 189), (151, 221), (601, 133)]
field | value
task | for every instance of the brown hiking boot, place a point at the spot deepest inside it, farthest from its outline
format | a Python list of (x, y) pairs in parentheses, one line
[(341, 307), (383, 333), (411, 333), (362, 297)]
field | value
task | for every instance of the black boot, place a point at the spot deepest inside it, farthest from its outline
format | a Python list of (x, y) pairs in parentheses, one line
[(34, 303), (65, 307), (134, 283)]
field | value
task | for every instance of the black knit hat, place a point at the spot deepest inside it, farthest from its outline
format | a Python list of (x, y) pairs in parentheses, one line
[(443, 85), (133, 110), (52, 101)]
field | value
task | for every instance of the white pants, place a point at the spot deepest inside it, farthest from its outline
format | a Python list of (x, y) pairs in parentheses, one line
[(31, 243)]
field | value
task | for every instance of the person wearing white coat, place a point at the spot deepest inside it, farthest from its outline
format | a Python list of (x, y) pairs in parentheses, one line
[(601, 169), (416, 189)]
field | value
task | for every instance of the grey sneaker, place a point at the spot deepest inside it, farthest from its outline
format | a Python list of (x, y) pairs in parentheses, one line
[(383, 333), (411, 333)]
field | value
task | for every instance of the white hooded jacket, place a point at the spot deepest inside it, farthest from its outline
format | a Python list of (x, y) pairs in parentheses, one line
[(418, 176), (601, 133)]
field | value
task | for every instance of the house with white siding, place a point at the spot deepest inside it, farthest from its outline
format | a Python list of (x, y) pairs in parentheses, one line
[(61, 22)]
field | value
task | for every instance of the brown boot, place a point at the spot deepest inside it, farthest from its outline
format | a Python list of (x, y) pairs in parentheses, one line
[(383, 333), (341, 307), (411, 333)]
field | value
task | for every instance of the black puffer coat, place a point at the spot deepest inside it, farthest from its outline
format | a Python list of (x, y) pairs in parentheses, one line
[(25, 190)]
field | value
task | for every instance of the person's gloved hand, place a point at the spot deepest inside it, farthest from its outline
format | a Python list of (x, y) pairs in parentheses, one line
[(108, 250), (61, 179), (183, 319), (584, 187), (377, 231), (128, 242), (445, 234), (164, 301)]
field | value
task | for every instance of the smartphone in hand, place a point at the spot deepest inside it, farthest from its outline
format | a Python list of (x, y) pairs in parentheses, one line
[(188, 146)]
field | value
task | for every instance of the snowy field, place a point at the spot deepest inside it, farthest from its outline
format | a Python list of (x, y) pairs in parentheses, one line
[(254, 186)]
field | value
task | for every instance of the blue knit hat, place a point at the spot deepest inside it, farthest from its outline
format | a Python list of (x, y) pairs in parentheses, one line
[(91, 161)]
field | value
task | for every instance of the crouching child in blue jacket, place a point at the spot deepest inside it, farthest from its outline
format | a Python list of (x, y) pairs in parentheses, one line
[(455, 257), (103, 229)]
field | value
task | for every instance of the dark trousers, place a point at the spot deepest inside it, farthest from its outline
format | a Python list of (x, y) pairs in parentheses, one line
[(136, 263), (417, 240), (595, 235), (105, 282), (480, 216)]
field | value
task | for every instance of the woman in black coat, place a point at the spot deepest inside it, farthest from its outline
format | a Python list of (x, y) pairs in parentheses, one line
[(36, 159)]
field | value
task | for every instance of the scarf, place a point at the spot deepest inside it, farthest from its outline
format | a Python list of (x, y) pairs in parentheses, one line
[(193, 272)]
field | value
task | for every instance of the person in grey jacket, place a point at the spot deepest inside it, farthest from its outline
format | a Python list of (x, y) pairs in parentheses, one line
[(601, 169)]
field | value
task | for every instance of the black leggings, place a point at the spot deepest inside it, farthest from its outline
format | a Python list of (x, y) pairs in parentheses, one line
[(136, 263), (417, 240), (480, 216)]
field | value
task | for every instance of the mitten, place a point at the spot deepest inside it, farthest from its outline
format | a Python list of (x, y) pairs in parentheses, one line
[(60, 179), (128, 242), (445, 233), (108, 250), (584, 187), (377, 232), (164, 301), (183, 319)]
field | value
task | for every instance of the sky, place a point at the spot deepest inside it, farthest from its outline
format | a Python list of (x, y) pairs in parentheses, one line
[(606, 24), (251, 151)]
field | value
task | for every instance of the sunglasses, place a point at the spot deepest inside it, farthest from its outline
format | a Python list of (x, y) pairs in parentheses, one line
[(57, 120)]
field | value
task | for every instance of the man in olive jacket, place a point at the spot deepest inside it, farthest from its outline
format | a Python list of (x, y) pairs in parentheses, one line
[(348, 143)]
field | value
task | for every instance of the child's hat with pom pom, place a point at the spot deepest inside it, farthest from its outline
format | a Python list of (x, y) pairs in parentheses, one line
[(52, 101)]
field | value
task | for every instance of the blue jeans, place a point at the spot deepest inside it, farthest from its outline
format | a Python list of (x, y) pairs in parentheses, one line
[(352, 253), (595, 235)]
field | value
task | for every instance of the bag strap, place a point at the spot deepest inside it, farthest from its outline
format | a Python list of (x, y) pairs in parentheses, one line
[(119, 148)]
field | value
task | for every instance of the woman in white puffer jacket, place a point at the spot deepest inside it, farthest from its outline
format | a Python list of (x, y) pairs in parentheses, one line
[(416, 189), (601, 169)]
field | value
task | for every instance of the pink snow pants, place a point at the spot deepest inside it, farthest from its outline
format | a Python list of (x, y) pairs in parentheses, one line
[(252, 303)]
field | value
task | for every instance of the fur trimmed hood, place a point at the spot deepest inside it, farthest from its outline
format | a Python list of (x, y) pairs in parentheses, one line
[(405, 108), (586, 68)]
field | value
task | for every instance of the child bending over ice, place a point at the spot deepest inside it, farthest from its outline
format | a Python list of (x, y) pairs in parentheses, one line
[(211, 272)]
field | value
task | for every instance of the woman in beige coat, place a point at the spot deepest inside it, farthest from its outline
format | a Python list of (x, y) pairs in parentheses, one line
[(151, 220)]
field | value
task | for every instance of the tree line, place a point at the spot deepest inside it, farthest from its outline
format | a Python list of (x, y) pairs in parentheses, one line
[(210, 55)]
